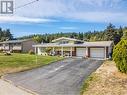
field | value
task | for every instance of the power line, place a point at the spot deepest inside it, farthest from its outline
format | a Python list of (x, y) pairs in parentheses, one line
[(26, 4)]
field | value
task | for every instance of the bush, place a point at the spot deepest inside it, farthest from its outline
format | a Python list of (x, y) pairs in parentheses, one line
[(16, 51), (31, 52), (120, 55)]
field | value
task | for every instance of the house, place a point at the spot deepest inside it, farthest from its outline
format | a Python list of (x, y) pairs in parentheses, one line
[(17, 45), (72, 47)]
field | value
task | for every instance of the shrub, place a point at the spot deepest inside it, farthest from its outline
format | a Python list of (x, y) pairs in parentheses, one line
[(31, 52), (1, 51), (120, 55)]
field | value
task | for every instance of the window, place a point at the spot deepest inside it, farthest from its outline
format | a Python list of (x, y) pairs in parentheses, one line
[(64, 42), (17, 44)]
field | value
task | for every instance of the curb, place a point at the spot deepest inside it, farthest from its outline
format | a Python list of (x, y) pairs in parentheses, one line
[(22, 88)]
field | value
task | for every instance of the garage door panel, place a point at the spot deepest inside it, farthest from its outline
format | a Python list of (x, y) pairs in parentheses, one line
[(97, 52), (80, 52)]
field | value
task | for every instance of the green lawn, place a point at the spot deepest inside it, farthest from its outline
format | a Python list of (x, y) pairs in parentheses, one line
[(21, 62)]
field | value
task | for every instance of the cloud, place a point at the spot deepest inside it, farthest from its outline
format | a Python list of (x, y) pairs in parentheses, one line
[(99, 17), (23, 19), (68, 28), (101, 3), (82, 10), (42, 8)]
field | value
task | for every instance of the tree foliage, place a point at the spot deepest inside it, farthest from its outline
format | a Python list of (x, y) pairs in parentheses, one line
[(110, 33), (38, 39), (120, 54), (5, 35)]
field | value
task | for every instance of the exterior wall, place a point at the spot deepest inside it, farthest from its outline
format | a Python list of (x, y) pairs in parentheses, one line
[(39, 50), (69, 42), (65, 49), (17, 47), (88, 51), (74, 52), (27, 45), (11, 46), (107, 52), (6, 47), (1, 47)]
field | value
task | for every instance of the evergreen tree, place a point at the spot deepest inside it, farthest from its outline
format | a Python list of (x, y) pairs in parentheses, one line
[(38, 39), (5, 35), (110, 32), (120, 32), (120, 54)]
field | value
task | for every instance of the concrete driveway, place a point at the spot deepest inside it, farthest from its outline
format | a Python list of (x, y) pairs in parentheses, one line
[(60, 78)]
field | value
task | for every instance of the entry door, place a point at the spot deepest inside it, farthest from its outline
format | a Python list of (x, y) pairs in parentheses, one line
[(97, 52), (80, 52)]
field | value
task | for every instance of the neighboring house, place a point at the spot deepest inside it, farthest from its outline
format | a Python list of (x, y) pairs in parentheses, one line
[(17, 45), (72, 47)]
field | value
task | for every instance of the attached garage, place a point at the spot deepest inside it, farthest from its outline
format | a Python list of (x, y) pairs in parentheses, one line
[(80, 52), (97, 53)]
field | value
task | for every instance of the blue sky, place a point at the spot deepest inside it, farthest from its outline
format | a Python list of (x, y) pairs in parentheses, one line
[(51, 16)]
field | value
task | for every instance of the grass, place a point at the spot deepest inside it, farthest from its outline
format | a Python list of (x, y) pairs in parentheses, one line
[(21, 62), (87, 83)]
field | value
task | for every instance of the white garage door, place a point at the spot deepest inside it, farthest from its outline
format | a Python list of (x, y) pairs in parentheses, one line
[(80, 52), (97, 52)]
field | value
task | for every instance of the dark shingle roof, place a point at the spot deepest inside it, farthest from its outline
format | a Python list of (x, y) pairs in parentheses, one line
[(14, 41)]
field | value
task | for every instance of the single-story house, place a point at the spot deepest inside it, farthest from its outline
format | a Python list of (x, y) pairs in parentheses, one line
[(17, 45), (73, 47)]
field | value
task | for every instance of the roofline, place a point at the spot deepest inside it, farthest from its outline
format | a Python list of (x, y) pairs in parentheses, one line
[(70, 46), (73, 39), (73, 45), (14, 41)]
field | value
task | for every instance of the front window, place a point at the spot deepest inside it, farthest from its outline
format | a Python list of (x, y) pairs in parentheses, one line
[(64, 42), (17, 44)]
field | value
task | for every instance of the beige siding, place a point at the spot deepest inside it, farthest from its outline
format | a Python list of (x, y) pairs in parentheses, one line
[(65, 49), (27, 45), (1, 47), (70, 42), (17, 48)]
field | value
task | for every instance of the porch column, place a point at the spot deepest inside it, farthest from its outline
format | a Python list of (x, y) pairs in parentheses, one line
[(105, 53), (61, 51), (53, 50), (35, 50), (39, 51), (71, 52), (86, 52)]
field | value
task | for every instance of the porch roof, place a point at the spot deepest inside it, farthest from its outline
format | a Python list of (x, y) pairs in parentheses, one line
[(85, 44), (99, 43)]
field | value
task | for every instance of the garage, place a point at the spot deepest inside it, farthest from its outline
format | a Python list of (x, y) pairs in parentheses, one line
[(97, 53), (80, 52)]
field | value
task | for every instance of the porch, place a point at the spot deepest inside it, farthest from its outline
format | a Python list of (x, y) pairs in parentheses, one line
[(59, 51)]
